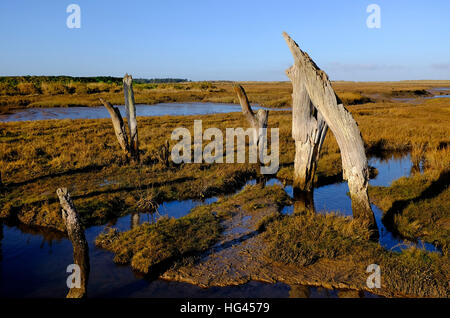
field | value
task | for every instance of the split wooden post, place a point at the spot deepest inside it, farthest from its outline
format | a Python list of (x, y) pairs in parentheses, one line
[(129, 146), (78, 239), (257, 121), (308, 131), (131, 116), (343, 126), (119, 126)]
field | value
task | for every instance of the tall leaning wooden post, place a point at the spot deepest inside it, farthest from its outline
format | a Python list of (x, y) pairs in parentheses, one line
[(78, 239), (344, 128), (258, 120), (131, 116)]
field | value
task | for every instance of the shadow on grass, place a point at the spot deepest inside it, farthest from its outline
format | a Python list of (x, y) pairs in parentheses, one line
[(435, 188), (69, 172)]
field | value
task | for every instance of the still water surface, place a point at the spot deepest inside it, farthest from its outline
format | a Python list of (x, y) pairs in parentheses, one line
[(172, 109)]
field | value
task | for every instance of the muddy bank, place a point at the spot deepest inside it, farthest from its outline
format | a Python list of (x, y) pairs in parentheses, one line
[(242, 254), (233, 263), (241, 257)]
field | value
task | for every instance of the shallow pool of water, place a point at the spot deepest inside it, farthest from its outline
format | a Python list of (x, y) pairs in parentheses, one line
[(172, 109), (432, 91), (440, 89), (33, 264), (335, 198), (438, 96), (35, 267)]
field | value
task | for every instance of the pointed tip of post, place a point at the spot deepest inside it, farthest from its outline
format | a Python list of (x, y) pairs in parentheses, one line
[(290, 42), (105, 103), (299, 55), (287, 37), (63, 189), (239, 89), (237, 86), (293, 46), (128, 79), (61, 192)]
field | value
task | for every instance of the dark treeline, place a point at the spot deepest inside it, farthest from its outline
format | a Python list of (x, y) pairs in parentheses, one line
[(14, 80), (160, 80)]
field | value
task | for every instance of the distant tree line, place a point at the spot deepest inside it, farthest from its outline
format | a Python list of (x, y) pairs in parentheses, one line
[(160, 80), (14, 80)]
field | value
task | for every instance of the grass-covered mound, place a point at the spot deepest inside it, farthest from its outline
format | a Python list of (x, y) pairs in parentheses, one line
[(307, 239), (157, 245), (303, 239), (151, 245)]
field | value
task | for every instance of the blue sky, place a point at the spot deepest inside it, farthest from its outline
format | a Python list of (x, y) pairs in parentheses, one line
[(225, 40)]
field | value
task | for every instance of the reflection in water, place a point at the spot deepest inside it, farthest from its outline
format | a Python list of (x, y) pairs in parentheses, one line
[(390, 167), (302, 291), (35, 263), (304, 202), (350, 294), (135, 220), (166, 289), (299, 291), (75, 231), (1, 252)]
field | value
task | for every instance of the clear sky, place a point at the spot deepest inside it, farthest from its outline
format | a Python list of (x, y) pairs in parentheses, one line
[(226, 39)]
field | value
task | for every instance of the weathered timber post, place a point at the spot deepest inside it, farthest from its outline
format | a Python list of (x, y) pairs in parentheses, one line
[(78, 239), (344, 128), (308, 131), (131, 116), (256, 121), (119, 126)]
